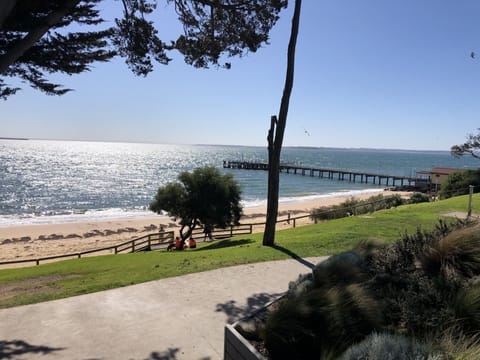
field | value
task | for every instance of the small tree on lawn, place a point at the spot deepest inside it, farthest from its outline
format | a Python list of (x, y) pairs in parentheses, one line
[(203, 197)]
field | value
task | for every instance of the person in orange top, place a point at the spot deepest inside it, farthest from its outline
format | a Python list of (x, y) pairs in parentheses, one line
[(178, 244), (192, 244)]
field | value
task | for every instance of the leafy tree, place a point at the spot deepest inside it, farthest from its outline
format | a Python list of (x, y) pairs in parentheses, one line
[(42, 37), (458, 183), (203, 197), (276, 132), (471, 146)]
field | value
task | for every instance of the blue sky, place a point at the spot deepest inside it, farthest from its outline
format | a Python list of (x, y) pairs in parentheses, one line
[(369, 73)]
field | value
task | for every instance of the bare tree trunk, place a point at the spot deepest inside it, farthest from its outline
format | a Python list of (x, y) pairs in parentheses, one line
[(6, 7), (276, 132), (36, 34)]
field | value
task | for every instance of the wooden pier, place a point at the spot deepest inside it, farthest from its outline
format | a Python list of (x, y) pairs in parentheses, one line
[(334, 174)]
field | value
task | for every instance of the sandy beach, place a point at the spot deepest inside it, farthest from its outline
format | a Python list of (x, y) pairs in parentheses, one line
[(42, 240)]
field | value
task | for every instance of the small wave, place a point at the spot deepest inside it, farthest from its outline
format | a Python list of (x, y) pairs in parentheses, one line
[(74, 216)]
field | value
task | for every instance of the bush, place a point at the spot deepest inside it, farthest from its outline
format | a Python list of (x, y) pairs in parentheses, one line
[(305, 327), (418, 197), (426, 281), (454, 255), (353, 206), (467, 308), (458, 183), (391, 347)]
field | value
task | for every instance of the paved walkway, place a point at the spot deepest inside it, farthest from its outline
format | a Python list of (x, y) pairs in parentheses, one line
[(176, 318)]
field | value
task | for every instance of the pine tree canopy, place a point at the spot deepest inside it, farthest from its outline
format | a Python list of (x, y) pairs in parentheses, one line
[(38, 38)]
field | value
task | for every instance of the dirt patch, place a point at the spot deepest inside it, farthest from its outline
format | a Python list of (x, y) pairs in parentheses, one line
[(462, 215), (40, 285)]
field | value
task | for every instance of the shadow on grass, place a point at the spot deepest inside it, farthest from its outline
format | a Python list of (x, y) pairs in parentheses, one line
[(16, 348), (226, 243), (294, 256), (254, 303)]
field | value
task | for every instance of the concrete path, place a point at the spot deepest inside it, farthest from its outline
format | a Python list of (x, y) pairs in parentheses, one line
[(170, 319)]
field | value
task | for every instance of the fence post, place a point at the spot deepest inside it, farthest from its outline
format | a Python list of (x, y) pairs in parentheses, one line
[(294, 222), (470, 196), (251, 228), (133, 246), (231, 230), (37, 261)]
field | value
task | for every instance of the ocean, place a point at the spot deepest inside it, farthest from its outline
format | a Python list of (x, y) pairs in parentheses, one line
[(66, 181)]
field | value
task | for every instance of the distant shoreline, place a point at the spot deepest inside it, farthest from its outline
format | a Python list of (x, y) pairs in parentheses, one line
[(12, 138)]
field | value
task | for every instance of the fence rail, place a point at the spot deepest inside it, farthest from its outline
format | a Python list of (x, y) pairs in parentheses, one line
[(129, 246)]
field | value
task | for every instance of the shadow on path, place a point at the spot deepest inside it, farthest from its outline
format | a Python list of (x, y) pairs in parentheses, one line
[(15, 348), (294, 256), (170, 354), (254, 303)]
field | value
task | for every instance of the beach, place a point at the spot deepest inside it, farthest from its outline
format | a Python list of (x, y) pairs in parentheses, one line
[(42, 240)]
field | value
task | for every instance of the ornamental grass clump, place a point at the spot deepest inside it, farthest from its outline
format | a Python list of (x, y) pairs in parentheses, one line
[(426, 283), (391, 347), (321, 321), (455, 256)]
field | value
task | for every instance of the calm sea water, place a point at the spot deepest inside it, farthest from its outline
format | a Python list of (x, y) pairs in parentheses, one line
[(63, 181)]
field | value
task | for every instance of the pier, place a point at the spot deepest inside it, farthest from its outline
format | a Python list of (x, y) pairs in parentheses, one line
[(334, 174)]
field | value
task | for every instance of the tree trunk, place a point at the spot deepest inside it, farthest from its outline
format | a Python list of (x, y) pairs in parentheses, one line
[(33, 36), (276, 132)]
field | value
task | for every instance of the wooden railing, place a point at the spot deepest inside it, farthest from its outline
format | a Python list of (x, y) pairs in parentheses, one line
[(130, 246), (229, 231)]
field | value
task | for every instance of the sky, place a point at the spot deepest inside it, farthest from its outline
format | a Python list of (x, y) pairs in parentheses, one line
[(369, 74)]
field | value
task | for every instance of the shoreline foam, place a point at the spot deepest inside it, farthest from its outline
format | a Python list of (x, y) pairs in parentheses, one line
[(72, 217)]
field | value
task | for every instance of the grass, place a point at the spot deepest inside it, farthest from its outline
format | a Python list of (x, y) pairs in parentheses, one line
[(86, 275)]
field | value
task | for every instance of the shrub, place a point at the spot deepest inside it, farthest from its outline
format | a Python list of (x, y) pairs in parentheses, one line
[(418, 197), (458, 183), (391, 347), (455, 344), (426, 281), (353, 206), (305, 327), (455, 255), (467, 308), (341, 269)]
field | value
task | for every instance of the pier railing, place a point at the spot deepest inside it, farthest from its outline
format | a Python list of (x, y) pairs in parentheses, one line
[(334, 174)]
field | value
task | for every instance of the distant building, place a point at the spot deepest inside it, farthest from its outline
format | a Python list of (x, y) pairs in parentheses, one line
[(437, 175)]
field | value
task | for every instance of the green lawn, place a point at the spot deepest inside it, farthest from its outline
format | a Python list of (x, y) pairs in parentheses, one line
[(86, 275)]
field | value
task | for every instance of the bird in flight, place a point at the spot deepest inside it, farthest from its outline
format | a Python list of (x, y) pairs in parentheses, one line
[(472, 55), (306, 132)]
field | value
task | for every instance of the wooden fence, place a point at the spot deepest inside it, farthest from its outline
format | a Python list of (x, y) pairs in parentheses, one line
[(130, 246)]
